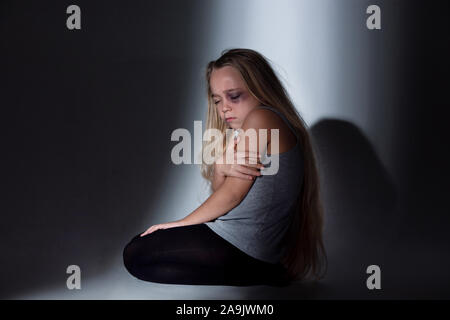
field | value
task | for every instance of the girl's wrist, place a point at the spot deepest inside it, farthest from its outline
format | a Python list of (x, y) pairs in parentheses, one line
[(180, 223)]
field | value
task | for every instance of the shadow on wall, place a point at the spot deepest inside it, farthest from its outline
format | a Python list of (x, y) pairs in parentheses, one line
[(359, 202)]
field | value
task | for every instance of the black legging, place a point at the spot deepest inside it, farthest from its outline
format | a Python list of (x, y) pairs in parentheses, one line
[(196, 255)]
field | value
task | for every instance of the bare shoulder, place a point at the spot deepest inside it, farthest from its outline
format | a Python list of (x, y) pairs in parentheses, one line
[(260, 118)]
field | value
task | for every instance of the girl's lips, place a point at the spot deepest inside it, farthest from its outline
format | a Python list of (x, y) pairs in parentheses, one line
[(231, 118)]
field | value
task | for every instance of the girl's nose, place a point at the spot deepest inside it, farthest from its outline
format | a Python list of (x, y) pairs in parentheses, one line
[(225, 108)]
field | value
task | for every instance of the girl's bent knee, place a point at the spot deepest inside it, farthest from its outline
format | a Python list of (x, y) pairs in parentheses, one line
[(138, 255), (129, 255)]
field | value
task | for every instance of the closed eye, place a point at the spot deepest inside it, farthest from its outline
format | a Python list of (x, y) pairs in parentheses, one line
[(231, 97)]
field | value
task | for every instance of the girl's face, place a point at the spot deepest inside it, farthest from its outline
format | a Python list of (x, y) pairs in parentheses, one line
[(230, 96)]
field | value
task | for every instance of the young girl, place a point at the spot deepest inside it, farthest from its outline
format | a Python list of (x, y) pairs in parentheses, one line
[(254, 229)]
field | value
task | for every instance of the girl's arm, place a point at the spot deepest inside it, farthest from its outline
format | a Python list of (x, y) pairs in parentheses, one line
[(231, 190), (218, 179), (230, 193)]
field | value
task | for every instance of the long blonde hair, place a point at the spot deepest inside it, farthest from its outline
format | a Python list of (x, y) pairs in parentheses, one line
[(305, 255)]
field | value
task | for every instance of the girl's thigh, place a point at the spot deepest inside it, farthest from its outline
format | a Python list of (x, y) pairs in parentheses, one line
[(195, 245), (194, 255)]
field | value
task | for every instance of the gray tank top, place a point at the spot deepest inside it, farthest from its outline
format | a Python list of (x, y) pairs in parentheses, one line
[(257, 225)]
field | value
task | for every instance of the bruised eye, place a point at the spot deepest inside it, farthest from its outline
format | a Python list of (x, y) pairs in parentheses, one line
[(231, 97), (235, 97)]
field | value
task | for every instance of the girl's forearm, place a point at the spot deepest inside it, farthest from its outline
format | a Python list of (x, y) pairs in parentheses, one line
[(218, 204)]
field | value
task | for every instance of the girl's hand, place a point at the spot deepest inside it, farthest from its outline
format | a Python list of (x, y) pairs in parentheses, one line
[(241, 166), (162, 226)]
